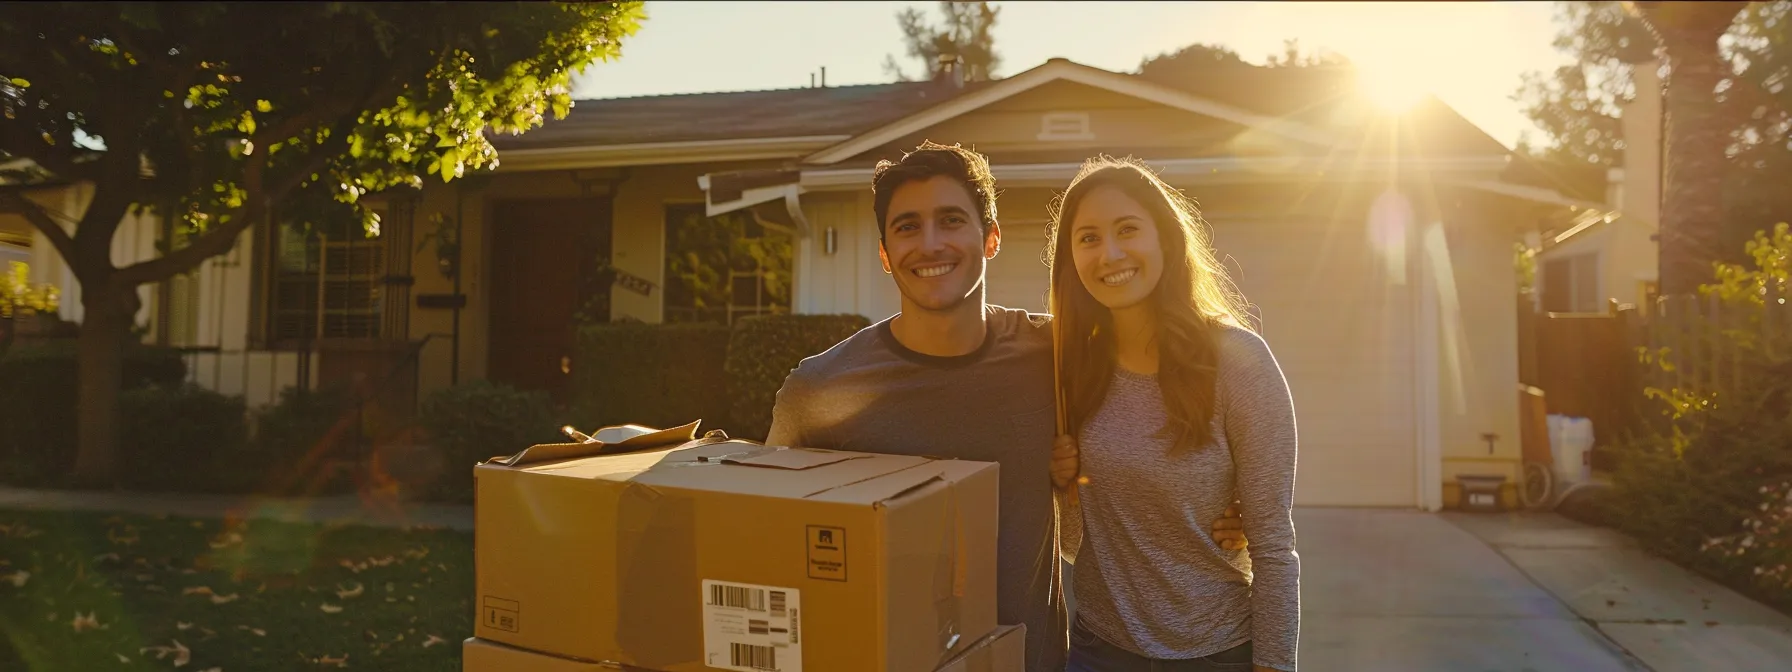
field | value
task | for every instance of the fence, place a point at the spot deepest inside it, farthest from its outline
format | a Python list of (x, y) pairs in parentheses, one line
[(1588, 365), (1710, 343)]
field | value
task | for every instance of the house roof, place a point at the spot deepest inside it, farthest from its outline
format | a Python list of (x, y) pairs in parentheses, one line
[(1304, 101), (781, 113)]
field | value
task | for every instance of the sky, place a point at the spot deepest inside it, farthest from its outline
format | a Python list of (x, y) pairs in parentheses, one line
[(1470, 54)]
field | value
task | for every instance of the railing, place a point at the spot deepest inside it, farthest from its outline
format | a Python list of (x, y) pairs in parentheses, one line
[(256, 375)]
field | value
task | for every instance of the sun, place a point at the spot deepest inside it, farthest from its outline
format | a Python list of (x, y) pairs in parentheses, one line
[(1392, 91), (1392, 85)]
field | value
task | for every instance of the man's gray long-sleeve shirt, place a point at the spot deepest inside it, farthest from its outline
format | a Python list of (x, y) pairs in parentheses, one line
[(871, 394)]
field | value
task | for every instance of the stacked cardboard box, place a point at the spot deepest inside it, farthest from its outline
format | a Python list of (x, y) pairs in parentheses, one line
[(728, 555)]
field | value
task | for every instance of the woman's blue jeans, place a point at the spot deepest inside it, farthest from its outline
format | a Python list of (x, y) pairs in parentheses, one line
[(1090, 653)]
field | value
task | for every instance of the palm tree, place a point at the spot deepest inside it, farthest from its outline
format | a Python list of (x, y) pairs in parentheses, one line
[(1695, 135)]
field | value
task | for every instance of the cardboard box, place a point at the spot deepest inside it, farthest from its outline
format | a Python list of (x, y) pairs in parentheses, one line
[(478, 655), (1005, 650), (737, 556)]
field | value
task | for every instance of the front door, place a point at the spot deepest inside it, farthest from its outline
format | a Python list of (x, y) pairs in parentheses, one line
[(544, 252)]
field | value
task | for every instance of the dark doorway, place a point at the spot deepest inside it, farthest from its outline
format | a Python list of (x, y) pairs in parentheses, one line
[(544, 254)]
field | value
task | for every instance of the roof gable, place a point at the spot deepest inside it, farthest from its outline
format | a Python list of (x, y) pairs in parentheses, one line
[(1059, 70)]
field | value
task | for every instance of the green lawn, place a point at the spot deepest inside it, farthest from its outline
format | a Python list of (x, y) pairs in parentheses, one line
[(94, 591)]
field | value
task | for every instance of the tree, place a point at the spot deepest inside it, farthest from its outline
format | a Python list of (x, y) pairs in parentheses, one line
[(1696, 135), (966, 31), (217, 115), (1577, 107), (1197, 59)]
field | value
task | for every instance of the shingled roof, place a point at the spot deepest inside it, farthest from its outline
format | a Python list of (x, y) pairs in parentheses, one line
[(832, 110), (1318, 96)]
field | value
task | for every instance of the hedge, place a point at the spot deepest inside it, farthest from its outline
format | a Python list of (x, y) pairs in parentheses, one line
[(38, 393), (208, 431), (473, 421), (660, 375), (762, 351)]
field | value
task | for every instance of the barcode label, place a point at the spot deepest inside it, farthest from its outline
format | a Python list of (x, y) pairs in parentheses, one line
[(750, 599), (754, 657), (750, 628)]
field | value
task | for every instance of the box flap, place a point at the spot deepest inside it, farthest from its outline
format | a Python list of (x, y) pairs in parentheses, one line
[(607, 441), (793, 458), (882, 488)]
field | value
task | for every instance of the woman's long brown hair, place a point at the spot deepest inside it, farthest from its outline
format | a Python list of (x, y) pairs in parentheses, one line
[(1192, 299)]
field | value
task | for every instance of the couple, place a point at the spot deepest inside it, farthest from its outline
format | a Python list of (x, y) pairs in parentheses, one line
[(1173, 411)]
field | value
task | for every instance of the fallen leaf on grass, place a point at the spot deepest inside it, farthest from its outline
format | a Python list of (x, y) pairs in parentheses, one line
[(329, 608), (17, 578), (181, 655), (18, 531), (82, 623), (381, 562), (346, 593), (434, 640), (258, 631), (122, 658), (130, 537), (330, 660), (213, 669), (231, 539), (197, 590), (224, 599), (184, 626)]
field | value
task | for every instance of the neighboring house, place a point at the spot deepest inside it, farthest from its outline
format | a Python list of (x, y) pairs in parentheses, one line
[(1377, 249), (1609, 252)]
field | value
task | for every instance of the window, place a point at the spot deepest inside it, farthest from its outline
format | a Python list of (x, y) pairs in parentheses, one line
[(326, 280), (1571, 285), (722, 268)]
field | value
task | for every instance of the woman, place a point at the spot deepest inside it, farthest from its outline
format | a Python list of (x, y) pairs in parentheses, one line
[(1176, 409)]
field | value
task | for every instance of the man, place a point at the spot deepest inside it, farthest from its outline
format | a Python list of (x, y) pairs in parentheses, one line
[(951, 376)]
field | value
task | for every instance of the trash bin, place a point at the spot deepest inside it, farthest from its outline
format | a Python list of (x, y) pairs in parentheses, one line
[(1481, 494)]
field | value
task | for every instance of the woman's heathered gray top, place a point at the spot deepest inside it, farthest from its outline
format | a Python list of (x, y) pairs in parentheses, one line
[(1149, 576)]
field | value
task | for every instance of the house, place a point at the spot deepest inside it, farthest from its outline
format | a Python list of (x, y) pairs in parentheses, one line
[(1607, 252), (1377, 247)]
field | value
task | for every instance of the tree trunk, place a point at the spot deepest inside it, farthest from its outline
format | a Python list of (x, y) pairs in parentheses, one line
[(1696, 136), (108, 315)]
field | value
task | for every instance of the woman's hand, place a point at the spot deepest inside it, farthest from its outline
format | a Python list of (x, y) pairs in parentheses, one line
[(1065, 462)]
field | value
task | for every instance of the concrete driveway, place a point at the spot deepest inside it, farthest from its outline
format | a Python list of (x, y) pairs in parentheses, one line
[(1386, 590)]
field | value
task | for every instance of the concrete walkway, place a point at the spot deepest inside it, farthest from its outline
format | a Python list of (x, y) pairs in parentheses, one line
[(1669, 618), (343, 509)]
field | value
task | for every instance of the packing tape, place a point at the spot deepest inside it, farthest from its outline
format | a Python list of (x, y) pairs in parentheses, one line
[(657, 578), (950, 578)]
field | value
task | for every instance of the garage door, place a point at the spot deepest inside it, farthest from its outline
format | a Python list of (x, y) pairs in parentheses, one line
[(1017, 277), (1341, 327), (1340, 324)]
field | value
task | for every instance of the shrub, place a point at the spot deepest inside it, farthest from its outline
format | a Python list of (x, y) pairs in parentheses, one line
[(762, 351), (471, 422), (292, 438), (182, 455), (38, 394), (660, 375), (1706, 483)]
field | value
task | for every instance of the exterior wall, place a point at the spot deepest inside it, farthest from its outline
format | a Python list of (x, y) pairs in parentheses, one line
[(1631, 255), (637, 219), (1477, 363)]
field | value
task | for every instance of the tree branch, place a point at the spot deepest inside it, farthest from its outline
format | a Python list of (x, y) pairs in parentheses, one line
[(220, 239), (12, 200)]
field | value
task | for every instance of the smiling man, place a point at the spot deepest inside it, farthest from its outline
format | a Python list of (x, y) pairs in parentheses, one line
[(950, 376)]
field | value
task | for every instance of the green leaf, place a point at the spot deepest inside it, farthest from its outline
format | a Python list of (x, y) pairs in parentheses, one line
[(21, 82)]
